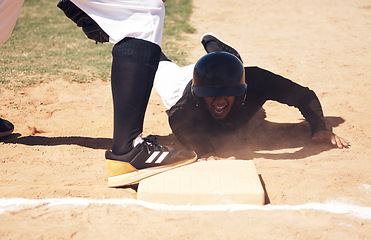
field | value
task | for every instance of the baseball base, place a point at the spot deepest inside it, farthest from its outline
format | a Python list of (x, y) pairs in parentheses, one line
[(215, 182)]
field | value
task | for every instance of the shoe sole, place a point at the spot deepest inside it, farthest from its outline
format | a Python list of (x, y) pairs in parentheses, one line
[(136, 176), (219, 40)]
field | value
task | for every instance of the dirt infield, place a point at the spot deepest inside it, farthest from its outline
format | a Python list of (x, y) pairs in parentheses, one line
[(53, 176)]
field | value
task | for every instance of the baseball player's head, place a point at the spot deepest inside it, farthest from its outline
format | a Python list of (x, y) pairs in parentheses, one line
[(218, 79)]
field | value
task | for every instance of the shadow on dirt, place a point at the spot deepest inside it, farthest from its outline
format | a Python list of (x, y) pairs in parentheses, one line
[(88, 142), (258, 139)]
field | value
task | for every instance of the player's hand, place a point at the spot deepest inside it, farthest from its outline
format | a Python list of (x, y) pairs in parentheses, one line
[(327, 136)]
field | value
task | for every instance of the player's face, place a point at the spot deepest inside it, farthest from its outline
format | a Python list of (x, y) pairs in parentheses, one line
[(219, 107)]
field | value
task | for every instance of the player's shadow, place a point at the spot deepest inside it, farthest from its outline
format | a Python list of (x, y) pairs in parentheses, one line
[(88, 142), (269, 140), (258, 139)]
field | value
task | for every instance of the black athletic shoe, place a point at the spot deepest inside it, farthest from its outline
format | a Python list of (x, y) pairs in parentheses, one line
[(212, 43), (6, 127), (146, 159)]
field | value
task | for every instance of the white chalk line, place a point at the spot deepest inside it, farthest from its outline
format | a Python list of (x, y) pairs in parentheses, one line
[(18, 204)]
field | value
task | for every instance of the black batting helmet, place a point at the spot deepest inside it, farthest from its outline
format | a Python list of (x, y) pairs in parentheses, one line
[(218, 74)]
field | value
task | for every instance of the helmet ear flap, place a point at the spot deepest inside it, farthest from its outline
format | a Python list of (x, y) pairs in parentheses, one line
[(196, 98), (240, 100)]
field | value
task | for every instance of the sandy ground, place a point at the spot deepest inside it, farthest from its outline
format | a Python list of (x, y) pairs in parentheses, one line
[(55, 158)]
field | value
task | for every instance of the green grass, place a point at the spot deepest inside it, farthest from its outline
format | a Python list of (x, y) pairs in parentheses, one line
[(45, 45)]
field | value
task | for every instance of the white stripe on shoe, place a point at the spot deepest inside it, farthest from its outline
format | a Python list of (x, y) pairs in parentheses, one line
[(162, 157), (152, 157), (159, 159)]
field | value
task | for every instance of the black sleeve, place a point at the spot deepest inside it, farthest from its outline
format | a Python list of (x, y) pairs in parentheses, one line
[(285, 91), (187, 127)]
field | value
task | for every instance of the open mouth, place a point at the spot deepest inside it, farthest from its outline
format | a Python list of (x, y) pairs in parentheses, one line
[(219, 110)]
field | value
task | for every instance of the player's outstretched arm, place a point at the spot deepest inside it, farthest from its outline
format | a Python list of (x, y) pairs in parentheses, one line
[(327, 136)]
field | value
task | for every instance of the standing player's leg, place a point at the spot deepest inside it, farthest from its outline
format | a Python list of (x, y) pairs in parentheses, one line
[(9, 11), (133, 68), (137, 37), (132, 158)]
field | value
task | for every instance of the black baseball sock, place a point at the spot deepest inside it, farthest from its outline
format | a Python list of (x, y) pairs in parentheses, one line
[(134, 65)]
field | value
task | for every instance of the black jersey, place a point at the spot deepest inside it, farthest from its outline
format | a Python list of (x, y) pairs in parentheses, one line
[(193, 125)]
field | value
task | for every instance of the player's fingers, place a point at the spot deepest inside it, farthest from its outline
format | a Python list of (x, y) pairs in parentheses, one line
[(338, 142), (345, 142), (335, 140)]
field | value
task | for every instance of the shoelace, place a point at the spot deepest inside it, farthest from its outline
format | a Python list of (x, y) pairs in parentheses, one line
[(150, 143)]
